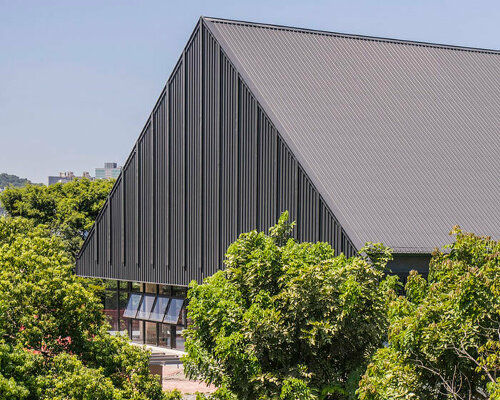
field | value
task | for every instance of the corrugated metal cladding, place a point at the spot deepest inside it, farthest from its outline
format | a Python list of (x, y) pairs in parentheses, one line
[(208, 165), (401, 139)]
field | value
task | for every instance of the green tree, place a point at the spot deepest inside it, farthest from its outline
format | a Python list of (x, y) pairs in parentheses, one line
[(287, 320), (68, 209), (53, 335), (444, 335)]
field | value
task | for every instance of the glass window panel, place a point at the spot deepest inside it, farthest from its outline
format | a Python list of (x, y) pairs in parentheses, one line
[(123, 300), (111, 308), (179, 291), (111, 300), (183, 315), (164, 338), (132, 305), (146, 306), (174, 311), (159, 309), (137, 331), (151, 334), (123, 285), (136, 287), (179, 339), (123, 325), (122, 303), (111, 284), (165, 290), (150, 288)]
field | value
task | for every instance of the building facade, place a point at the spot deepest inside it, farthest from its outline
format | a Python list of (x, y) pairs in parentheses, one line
[(360, 139), (65, 177), (148, 313), (110, 171)]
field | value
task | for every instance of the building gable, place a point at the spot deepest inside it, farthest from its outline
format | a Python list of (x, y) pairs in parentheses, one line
[(209, 165)]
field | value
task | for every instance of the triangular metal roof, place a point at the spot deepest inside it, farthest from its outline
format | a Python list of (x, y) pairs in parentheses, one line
[(402, 139)]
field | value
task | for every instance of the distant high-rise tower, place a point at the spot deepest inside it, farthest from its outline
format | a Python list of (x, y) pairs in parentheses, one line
[(110, 170)]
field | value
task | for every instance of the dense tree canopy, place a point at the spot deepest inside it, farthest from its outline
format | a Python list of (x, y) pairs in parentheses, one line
[(284, 320), (287, 320), (444, 335), (54, 342), (68, 209), (53, 335)]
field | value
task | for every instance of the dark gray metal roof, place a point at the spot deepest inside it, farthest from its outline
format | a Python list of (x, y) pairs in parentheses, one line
[(402, 139)]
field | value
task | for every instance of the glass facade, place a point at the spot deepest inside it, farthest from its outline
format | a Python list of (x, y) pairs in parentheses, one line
[(122, 304), (136, 331), (150, 288), (159, 309), (179, 339), (133, 305), (137, 287), (145, 306), (148, 313), (111, 308), (151, 329), (173, 314), (110, 170), (164, 336)]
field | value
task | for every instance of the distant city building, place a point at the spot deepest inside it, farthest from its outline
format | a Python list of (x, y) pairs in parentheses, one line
[(62, 178), (110, 170), (65, 177)]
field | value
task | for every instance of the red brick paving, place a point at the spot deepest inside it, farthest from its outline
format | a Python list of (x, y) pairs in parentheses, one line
[(173, 378)]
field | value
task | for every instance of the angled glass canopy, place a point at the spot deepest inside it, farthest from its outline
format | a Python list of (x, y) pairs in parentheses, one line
[(132, 305), (159, 309), (146, 306), (150, 307), (173, 314)]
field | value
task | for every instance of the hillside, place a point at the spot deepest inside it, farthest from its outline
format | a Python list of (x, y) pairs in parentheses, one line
[(6, 180)]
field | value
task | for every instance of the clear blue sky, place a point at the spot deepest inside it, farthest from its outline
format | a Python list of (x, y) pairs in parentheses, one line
[(78, 78)]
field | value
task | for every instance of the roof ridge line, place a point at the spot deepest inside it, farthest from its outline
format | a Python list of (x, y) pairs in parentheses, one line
[(353, 36)]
